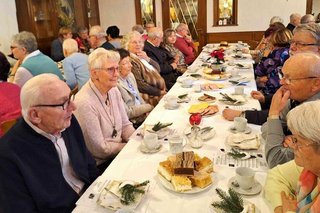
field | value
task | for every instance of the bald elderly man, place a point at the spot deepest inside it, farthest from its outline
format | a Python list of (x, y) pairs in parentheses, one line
[(44, 163)]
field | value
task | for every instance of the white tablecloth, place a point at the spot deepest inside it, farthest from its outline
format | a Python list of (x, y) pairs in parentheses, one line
[(131, 164)]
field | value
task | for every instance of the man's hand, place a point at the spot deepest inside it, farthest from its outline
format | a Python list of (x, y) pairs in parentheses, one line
[(230, 114), (279, 101), (258, 96)]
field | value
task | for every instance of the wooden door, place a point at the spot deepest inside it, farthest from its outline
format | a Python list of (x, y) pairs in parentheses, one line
[(191, 12)]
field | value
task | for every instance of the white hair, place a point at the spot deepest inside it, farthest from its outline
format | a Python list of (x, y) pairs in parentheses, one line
[(155, 32), (70, 45), (32, 91), (97, 31), (305, 120), (128, 37), (275, 19), (100, 56), (308, 18)]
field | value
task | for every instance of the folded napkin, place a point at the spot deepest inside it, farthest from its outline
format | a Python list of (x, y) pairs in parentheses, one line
[(110, 196), (244, 141)]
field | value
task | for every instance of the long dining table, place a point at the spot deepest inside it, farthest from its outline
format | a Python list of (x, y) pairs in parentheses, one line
[(132, 164)]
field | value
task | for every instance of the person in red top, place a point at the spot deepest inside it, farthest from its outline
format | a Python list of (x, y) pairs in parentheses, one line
[(9, 95), (184, 43)]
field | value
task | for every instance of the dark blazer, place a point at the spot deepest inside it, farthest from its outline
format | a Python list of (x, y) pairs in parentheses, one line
[(163, 57), (31, 178)]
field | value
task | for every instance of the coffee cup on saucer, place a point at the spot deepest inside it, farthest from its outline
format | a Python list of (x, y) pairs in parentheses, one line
[(240, 124), (171, 102), (245, 177), (187, 82), (150, 141)]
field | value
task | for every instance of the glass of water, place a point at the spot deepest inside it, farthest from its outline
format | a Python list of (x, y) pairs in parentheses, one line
[(175, 144)]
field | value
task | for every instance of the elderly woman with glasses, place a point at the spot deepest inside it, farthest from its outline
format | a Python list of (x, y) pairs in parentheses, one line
[(100, 108), (31, 61), (145, 70), (136, 108), (294, 186)]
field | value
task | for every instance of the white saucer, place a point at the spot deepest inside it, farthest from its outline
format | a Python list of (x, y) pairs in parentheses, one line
[(256, 188), (144, 149), (171, 107), (233, 130), (186, 85)]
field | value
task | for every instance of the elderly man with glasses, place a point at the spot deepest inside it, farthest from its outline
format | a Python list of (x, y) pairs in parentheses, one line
[(300, 83), (306, 38), (44, 163)]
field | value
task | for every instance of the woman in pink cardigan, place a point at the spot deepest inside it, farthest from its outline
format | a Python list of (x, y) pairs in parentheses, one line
[(100, 109)]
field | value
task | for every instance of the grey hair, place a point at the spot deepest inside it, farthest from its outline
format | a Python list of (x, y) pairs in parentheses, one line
[(100, 56), (181, 26), (138, 28), (312, 28), (305, 120), (97, 31), (155, 32), (275, 19), (26, 40), (127, 38), (312, 62), (32, 91), (70, 45), (293, 16), (307, 19)]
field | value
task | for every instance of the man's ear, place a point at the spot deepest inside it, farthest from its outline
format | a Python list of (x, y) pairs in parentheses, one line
[(33, 116)]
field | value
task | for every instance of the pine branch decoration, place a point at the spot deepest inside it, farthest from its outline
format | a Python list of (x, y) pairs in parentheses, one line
[(232, 203)]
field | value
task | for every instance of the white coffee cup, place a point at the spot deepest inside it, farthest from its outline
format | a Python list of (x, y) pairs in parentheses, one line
[(171, 100), (240, 42), (239, 53), (150, 141), (239, 90), (197, 87), (187, 82), (245, 177), (240, 124), (175, 144)]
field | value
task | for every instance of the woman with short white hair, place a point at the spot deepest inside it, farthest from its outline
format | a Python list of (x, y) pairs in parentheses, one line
[(75, 64), (100, 109), (294, 186), (146, 71)]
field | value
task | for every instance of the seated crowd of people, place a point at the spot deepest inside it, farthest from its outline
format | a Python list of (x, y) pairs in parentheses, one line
[(76, 120)]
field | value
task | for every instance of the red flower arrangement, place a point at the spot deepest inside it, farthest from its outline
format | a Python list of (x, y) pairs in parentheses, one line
[(218, 55)]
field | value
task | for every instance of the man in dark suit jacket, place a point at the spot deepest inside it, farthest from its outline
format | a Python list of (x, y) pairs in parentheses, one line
[(162, 56), (97, 38), (44, 163)]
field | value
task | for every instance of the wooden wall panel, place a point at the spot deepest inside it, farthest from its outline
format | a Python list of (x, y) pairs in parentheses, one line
[(252, 37)]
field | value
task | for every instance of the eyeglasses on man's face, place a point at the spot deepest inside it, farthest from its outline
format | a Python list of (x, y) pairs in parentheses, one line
[(64, 105), (300, 44), (289, 80), (297, 145)]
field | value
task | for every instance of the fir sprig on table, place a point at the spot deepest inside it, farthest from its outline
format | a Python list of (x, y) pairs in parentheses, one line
[(235, 154), (128, 192), (160, 125), (232, 203)]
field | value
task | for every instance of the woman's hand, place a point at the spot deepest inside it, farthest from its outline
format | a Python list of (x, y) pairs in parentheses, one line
[(143, 55), (289, 203), (258, 96)]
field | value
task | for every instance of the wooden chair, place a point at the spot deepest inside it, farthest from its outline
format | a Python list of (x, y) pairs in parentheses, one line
[(6, 125)]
